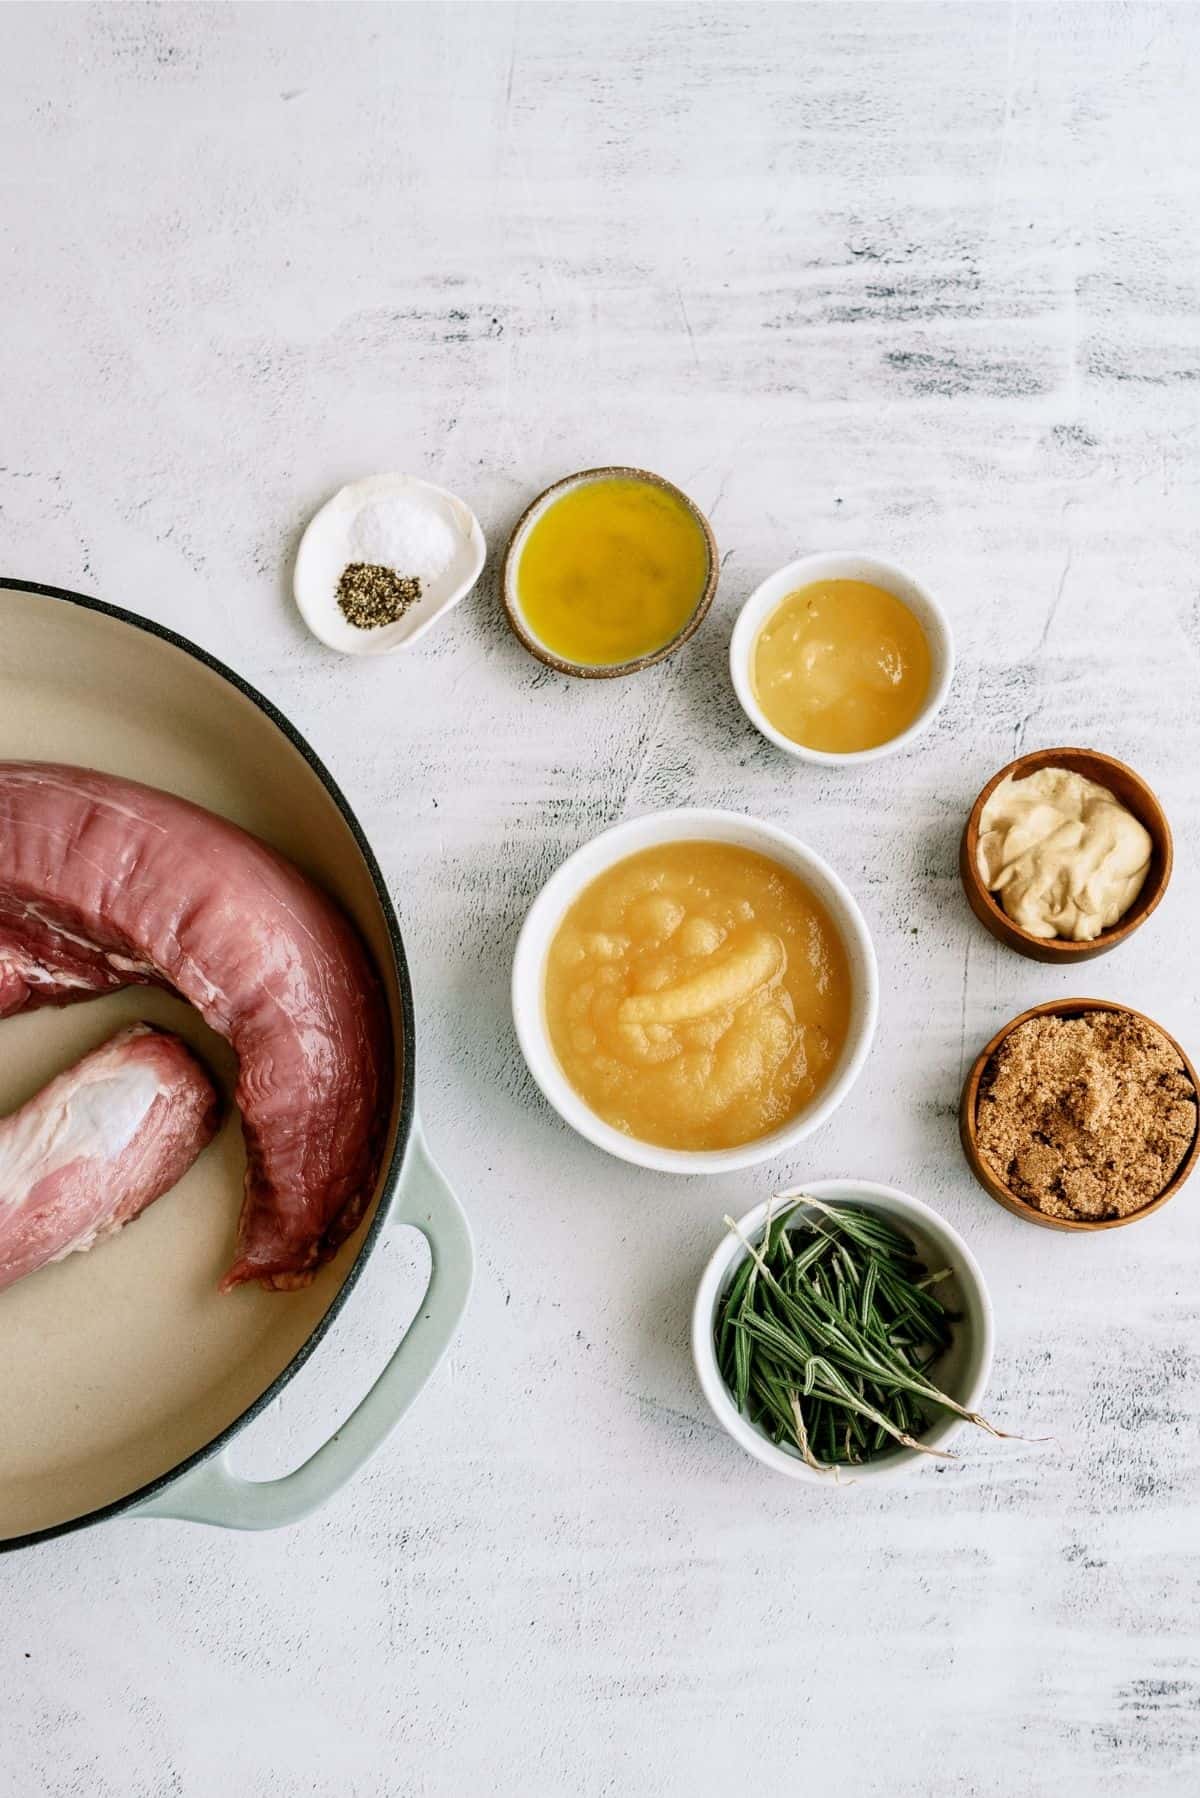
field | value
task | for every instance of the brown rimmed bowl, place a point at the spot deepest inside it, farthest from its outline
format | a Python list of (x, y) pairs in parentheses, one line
[(1133, 793), (516, 544), (987, 1177)]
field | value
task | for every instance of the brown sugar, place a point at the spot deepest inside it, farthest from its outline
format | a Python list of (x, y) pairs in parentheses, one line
[(1086, 1117)]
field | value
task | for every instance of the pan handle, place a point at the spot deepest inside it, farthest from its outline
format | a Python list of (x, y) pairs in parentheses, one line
[(213, 1493)]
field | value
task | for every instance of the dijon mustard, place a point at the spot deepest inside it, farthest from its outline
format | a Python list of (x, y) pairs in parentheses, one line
[(1062, 854)]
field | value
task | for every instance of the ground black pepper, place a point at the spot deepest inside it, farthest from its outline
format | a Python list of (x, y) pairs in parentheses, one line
[(370, 595)]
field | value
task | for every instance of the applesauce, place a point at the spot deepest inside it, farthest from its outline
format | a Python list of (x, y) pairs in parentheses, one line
[(697, 995)]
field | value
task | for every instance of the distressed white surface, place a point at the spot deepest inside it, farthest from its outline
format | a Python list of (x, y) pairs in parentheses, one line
[(923, 279)]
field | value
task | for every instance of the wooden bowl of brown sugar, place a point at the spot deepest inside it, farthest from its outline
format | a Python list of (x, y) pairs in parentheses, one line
[(1131, 791), (1089, 1121)]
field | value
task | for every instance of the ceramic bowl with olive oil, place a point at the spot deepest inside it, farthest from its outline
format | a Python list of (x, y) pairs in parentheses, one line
[(840, 659), (607, 572)]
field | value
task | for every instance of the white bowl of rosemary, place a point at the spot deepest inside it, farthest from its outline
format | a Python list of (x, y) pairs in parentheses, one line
[(843, 1333)]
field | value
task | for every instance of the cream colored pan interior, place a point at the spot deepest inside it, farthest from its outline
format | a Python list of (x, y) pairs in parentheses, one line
[(117, 1365)]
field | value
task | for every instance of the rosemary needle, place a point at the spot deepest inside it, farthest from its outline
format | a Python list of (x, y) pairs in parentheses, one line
[(827, 1332)]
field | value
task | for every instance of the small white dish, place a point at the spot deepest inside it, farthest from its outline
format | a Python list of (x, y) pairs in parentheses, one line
[(962, 1373), (687, 824), (328, 545), (839, 565)]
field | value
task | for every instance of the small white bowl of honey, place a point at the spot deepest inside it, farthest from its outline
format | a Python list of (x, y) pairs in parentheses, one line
[(841, 658)]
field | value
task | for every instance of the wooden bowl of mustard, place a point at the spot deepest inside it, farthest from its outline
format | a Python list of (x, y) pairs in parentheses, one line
[(608, 571), (1130, 791), (989, 1177)]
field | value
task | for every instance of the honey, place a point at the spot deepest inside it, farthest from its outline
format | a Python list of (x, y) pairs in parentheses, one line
[(841, 666), (697, 995), (612, 571)]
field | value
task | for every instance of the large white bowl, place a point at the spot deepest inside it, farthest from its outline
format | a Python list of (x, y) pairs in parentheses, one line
[(839, 565), (688, 825), (962, 1373)]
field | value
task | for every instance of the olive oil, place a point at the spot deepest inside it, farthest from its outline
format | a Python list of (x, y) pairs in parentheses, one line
[(611, 571)]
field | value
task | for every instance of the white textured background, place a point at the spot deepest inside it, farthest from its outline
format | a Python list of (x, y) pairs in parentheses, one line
[(917, 278)]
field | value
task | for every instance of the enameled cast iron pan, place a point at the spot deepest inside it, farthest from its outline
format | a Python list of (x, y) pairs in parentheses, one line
[(124, 1374)]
